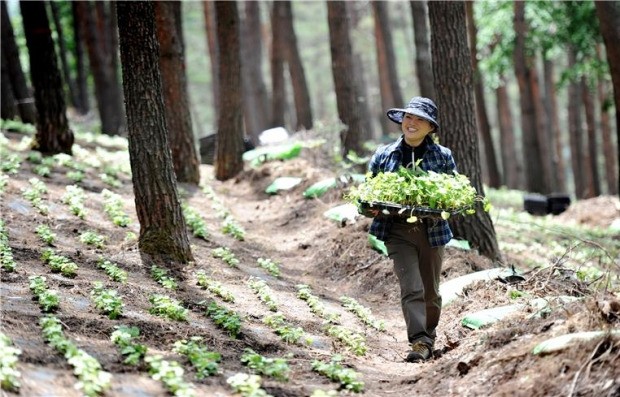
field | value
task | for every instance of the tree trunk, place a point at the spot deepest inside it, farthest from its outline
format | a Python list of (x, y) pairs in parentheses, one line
[(278, 89), (8, 105), (53, 133), (62, 52), (452, 62), (386, 65), (534, 178), (423, 60), (553, 127), (542, 135), (23, 97), (590, 168), (610, 151), (99, 40), (512, 167), (163, 234), (492, 169), (347, 98), (256, 100), (83, 105), (575, 132), (174, 83), (608, 13), (229, 148), (210, 28), (301, 95)]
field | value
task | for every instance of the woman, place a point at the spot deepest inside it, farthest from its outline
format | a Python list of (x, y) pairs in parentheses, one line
[(416, 249)]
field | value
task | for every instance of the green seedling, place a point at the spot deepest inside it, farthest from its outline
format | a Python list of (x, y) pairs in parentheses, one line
[(107, 301), (247, 385), (276, 368), (113, 207), (225, 319), (165, 306), (59, 263), (161, 276), (263, 291), (76, 176), (33, 195), (205, 362), (112, 270), (74, 197), (4, 181), (195, 222), (170, 373), (48, 300), (123, 337), (45, 234), (353, 341), (232, 228), (6, 253), (336, 372), (9, 374), (214, 287), (316, 306), (226, 255), (94, 239), (269, 265), (363, 313)]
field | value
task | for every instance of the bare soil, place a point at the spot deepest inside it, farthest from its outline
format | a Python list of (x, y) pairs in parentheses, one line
[(334, 259)]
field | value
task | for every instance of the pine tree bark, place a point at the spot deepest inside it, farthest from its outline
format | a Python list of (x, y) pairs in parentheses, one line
[(609, 149), (277, 59), (347, 96), (176, 100), (423, 59), (575, 133), (163, 235), (83, 104), (8, 106), (590, 168), (389, 88), (511, 166), (21, 93), (255, 98), (534, 168), (53, 134), (62, 52), (211, 34), (101, 53), (488, 153), (452, 62), (229, 148), (608, 13), (301, 94), (558, 172)]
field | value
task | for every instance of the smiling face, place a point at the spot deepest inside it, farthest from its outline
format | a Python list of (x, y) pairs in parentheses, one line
[(415, 129)]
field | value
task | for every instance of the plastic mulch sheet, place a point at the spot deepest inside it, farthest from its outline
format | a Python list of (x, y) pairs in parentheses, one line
[(282, 183)]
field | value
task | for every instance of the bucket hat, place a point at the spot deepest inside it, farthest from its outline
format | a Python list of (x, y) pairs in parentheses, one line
[(418, 106)]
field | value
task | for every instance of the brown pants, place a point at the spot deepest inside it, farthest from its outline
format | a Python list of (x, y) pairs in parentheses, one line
[(418, 268)]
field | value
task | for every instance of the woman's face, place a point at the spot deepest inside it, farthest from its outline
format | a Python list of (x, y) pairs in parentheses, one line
[(415, 129)]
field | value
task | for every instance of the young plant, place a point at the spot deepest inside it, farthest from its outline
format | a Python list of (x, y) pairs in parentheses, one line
[(110, 180), (107, 301), (94, 239), (59, 263), (48, 300), (9, 374), (76, 176), (161, 276), (92, 380), (165, 306), (269, 265), (123, 338), (316, 306), (46, 235), (214, 287), (112, 270), (4, 181), (247, 385), (286, 332), (170, 373), (226, 255), (6, 253), (363, 313), (276, 368), (353, 341), (10, 162), (336, 372), (113, 207), (42, 170), (195, 222), (33, 194), (226, 319), (74, 197), (232, 228), (204, 362), (263, 291)]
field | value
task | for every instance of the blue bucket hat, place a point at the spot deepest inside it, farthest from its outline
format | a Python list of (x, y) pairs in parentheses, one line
[(418, 106)]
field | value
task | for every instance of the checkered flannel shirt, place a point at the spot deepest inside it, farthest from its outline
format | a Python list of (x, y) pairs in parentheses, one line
[(388, 158)]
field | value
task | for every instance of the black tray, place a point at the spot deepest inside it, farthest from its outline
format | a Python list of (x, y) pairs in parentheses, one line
[(403, 211)]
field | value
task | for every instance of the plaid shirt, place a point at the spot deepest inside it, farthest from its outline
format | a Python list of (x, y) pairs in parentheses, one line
[(437, 158)]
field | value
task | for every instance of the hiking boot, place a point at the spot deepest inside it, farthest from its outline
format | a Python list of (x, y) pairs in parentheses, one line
[(419, 352)]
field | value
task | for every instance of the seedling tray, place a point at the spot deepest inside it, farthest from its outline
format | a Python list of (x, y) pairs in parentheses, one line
[(403, 211)]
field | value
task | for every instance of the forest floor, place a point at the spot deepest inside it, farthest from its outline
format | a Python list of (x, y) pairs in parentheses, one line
[(572, 255)]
